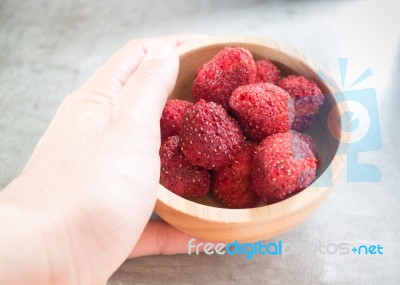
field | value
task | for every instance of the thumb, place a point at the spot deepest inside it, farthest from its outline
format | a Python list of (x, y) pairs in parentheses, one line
[(144, 95)]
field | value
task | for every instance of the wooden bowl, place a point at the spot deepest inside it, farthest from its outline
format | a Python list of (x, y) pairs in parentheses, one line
[(205, 218)]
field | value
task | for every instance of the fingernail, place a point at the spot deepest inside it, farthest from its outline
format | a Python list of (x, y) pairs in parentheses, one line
[(159, 51)]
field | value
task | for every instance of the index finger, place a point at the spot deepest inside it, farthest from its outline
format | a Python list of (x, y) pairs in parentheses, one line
[(116, 71)]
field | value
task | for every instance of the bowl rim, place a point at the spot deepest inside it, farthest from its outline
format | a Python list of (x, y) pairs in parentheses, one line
[(289, 206)]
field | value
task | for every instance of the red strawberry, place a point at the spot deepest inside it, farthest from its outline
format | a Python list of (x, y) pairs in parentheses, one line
[(267, 72), (309, 140), (283, 165), (216, 79), (171, 118), (302, 123), (262, 109), (209, 136), (308, 97), (231, 183), (178, 175)]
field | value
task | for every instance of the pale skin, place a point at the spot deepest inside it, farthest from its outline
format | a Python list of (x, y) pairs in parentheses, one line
[(81, 205)]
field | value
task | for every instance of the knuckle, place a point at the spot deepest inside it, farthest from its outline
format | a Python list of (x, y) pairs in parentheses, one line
[(150, 72)]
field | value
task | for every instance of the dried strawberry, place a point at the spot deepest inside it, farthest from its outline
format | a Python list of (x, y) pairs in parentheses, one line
[(267, 72), (172, 116), (178, 175), (283, 165), (231, 183), (262, 109), (216, 79), (209, 136)]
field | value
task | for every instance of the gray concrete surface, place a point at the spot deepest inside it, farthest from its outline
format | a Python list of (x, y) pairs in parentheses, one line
[(48, 48)]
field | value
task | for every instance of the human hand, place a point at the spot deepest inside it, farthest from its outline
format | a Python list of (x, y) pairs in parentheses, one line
[(90, 184)]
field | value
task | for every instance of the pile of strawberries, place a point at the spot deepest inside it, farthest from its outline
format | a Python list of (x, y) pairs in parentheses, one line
[(240, 137)]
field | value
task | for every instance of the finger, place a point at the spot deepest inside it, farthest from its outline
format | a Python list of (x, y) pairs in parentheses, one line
[(160, 238), (143, 97), (116, 71)]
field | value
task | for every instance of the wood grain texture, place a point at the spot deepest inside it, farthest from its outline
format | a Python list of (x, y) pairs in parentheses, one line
[(202, 218)]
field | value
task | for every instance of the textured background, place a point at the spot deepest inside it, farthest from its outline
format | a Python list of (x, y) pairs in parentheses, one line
[(48, 48)]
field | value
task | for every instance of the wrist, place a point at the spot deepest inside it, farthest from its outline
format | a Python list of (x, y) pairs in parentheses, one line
[(34, 245)]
